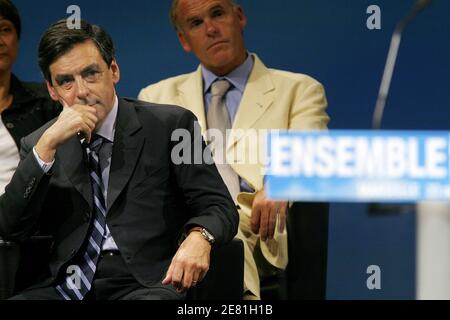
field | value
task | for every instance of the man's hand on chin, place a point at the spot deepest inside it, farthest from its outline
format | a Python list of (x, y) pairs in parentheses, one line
[(72, 120)]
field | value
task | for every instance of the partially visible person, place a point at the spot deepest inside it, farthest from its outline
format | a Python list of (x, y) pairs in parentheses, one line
[(24, 106), (127, 218), (233, 89)]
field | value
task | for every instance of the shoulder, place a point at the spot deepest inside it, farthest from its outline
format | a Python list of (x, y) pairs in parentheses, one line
[(33, 97), (166, 113), (36, 90), (297, 84), (287, 76), (33, 138), (286, 80), (164, 87)]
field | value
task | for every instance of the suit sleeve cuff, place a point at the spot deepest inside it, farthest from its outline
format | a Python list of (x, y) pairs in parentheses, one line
[(45, 166)]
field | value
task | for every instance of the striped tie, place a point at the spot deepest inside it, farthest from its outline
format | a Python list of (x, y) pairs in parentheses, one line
[(81, 273)]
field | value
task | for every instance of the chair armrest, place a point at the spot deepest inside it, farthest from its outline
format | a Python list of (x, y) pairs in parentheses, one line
[(9, 262), (225, 278), (33, 264), (306, 272)]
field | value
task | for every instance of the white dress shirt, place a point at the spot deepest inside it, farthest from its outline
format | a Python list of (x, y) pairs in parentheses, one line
[(106, 130), (9, 155)]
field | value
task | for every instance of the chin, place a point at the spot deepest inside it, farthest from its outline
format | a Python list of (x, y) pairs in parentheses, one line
[(5, 67)]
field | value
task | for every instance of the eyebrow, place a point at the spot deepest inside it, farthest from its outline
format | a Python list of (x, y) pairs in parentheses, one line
[(4, 22), (60, 78), (64, 77), (91, 67), (219, 6)]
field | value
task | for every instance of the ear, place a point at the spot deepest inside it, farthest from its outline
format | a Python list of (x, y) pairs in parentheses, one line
[(241, 16), (115, 71), (52, 91), (183, 41)]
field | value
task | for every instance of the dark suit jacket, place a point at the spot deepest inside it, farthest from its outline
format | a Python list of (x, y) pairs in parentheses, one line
[(151, 201), (30, 109)]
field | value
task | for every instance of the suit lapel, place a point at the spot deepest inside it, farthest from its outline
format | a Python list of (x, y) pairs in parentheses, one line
[(191, 95), (73, 160), (257, 98), (127, 146)]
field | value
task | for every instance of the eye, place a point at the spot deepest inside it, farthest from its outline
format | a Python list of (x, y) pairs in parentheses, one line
[(196, 23), (6, 29), (91, 75), (217, 13), (65, 83)]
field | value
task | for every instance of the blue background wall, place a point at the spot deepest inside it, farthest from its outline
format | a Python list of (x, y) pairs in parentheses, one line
[(327, 39)]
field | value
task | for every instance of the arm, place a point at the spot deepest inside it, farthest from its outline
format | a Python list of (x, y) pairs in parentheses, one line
[(209, 202), (21, 204), (211, 207), (307, 112)]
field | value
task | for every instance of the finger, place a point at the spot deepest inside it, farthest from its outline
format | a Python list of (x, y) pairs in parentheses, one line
[(282, 217), (90, 110), (63, 102), (91, 116), (85, 110), (86, 131), (187, 279), (177, 277), (273, 213), (195, 278), (202, 274), (255, 219), (263, 225), (88, 122), (90, 119), (168, 278)]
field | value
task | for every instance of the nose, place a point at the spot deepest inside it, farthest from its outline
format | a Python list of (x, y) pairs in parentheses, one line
[(82, 90), (211, 28)]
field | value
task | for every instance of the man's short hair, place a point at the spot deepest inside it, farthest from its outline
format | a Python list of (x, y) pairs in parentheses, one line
[(173, 13), (9, 12), (59, 39)]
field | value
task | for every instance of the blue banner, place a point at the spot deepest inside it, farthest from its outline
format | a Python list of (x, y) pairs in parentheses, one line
[(358, 166)]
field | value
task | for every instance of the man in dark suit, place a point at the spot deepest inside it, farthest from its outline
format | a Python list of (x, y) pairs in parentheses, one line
[(129, 221)]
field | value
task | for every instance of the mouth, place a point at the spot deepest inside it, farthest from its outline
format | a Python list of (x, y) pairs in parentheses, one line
[(90, 102), (215, 44)]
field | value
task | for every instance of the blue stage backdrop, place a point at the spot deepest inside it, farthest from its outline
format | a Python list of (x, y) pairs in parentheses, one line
[(329, 40)]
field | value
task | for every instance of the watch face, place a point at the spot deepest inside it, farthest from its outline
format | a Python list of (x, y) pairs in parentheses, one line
[(208, 236)]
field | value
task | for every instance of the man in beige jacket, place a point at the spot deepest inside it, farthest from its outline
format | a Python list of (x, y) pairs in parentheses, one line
[(257, 99)]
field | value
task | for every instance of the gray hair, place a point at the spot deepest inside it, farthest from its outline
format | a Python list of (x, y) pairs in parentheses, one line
[(173, 15)]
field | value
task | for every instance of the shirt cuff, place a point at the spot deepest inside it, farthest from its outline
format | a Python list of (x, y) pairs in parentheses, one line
[(46, 166)]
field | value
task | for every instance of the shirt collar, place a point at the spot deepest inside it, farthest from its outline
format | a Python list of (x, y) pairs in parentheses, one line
[(106, 130), (238, 77)]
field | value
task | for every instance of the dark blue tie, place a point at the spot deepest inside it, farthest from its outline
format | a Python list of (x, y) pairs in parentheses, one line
[(81, 273)]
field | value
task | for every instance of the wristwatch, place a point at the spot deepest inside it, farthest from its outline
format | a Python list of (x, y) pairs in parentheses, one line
[(205, 234), (208, 236)]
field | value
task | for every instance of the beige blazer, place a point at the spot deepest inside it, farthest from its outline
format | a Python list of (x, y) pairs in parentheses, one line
[(273, 99)]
